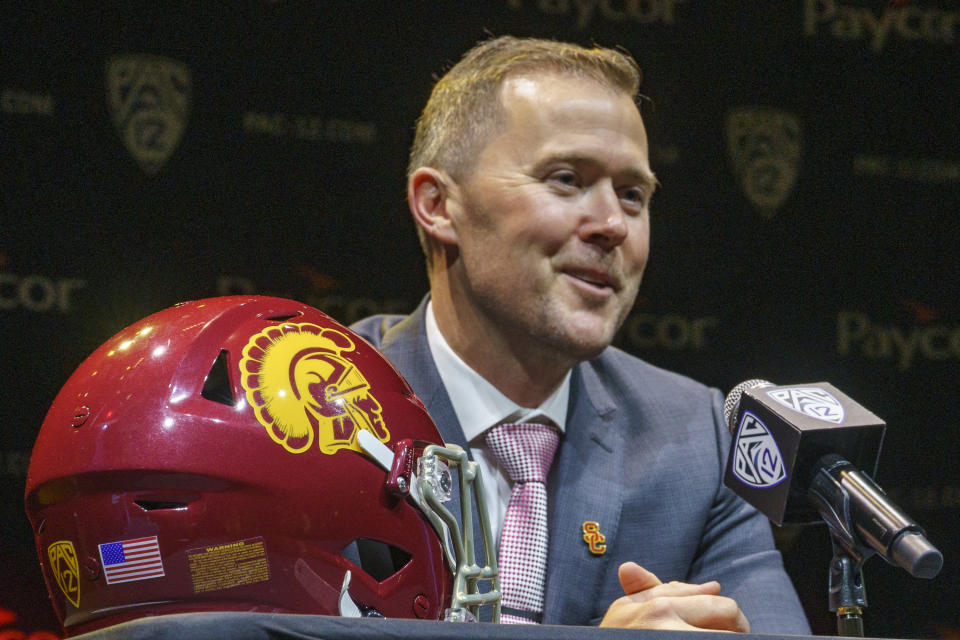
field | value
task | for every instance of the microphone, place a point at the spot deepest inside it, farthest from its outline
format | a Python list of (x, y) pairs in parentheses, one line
[(791, 459)]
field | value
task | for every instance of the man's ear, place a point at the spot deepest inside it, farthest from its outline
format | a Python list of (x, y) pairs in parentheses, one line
[(429, 194)]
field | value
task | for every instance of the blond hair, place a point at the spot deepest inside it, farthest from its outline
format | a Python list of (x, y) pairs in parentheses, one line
[(464, 109)]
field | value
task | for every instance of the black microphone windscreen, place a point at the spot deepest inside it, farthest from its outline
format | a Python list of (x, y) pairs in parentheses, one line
[(732, 401)]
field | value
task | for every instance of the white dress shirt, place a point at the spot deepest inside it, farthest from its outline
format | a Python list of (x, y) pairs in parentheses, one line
[(480, 406)]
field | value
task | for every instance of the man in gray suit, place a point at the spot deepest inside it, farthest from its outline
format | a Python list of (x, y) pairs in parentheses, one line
[(530, 185)]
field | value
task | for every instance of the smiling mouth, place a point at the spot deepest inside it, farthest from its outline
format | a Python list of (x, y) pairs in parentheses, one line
[(596, 280)]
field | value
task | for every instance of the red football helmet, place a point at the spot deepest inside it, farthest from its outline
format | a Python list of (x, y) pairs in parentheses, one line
[(248, 454)]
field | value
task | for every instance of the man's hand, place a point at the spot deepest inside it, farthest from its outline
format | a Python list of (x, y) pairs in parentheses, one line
[(650, 604)]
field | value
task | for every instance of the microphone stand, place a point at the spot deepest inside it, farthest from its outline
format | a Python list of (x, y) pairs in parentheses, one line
[(847, 595)]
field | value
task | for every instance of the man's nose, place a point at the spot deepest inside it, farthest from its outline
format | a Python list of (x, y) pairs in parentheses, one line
[(604, 222)]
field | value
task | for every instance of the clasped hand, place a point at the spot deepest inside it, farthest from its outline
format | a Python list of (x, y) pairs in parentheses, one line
[(648, 603)]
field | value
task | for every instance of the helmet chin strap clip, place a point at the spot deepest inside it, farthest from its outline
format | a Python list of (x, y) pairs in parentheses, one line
[(400, 473), (348, 608)]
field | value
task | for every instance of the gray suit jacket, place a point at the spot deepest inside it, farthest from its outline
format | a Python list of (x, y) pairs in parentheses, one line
[(643, 455)]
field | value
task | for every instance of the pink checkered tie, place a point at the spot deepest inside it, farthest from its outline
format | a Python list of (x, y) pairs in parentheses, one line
[(525, 451)]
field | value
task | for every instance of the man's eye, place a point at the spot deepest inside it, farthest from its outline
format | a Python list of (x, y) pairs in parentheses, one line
[(634, 195), (566, 178)]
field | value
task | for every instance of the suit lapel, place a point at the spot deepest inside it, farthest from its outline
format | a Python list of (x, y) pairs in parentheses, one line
[(585, 486), (405, 345)]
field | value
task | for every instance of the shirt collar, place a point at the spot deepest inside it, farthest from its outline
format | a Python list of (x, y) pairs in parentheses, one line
[(478, 404)]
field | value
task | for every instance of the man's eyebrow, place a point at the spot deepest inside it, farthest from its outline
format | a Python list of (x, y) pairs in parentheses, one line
[(648, 178)]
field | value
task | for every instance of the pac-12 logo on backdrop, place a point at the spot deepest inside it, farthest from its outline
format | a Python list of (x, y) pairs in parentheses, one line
[(756, 458), (302, 388), (810, 401), (764, 146), (149, 99)]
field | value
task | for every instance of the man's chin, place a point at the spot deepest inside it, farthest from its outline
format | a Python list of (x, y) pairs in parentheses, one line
[(573, 336), (583, 343)]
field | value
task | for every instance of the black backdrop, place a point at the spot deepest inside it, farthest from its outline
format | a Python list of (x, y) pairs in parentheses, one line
[(809, 154)]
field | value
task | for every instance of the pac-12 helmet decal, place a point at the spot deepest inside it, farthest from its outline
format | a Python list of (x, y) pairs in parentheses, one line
[(248, 453)]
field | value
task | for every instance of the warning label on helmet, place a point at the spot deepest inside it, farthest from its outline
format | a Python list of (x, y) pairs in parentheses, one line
[(228, 565)]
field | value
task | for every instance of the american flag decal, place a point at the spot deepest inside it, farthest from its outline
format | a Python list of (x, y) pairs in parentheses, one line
[(129, 560)]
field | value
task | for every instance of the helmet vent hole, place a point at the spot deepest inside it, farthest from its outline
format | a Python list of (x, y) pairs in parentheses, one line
[(160, 505), (217, 385), (378, 559), (283, 317)]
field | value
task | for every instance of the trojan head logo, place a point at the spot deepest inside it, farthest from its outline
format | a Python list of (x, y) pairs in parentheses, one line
[(757, 460), (149, 98), (810, 401), (302, 388), (764, 146), (66, 569)]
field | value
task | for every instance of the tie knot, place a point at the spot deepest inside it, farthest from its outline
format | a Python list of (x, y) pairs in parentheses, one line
[(524, 450)]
